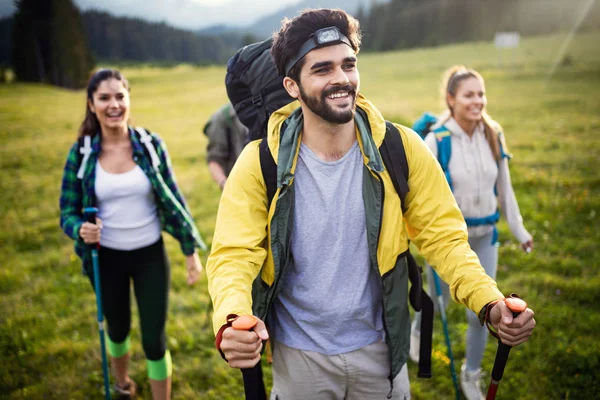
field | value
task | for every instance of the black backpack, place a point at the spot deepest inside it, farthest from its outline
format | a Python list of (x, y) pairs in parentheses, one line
[(254, 87)]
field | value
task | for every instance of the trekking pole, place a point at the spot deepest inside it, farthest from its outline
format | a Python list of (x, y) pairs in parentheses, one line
[(517, 306), (90, 216), (254, 387), (440, 301)]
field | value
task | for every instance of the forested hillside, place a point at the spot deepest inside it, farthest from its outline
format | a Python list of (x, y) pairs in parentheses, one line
[(403, 24), (387, 25)]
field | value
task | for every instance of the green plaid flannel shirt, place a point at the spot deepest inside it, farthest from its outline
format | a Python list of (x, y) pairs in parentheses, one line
[(173, 212)]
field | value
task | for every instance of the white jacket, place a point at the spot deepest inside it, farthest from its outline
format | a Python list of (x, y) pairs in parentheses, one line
[(474, 172)]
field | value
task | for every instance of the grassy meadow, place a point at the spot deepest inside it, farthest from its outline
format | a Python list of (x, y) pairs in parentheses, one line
[(548, 104)]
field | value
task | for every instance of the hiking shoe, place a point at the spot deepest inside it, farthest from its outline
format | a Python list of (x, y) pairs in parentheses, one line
[(125, 392), (415, 345), (470, 382)]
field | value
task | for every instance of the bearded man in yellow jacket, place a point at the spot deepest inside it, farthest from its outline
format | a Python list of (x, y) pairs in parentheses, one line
[(323, 266)]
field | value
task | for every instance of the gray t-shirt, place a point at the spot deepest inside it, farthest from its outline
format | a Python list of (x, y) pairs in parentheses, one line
[(331, 298)]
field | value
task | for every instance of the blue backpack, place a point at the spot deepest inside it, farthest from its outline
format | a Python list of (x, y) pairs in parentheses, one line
[(423, 127), (424, 123)]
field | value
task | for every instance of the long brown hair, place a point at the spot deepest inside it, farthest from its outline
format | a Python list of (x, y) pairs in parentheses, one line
[(90, 125), (450, 84)]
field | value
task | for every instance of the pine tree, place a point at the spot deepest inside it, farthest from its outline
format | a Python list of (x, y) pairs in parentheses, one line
[(49, 44)]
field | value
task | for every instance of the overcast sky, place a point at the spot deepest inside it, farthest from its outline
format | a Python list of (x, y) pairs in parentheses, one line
[(187, 14)]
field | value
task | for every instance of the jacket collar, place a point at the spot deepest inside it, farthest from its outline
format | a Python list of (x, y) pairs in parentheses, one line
[(285, 128), (456, 130)]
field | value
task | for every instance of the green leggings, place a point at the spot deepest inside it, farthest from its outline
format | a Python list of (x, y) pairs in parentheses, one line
[(149, 269)]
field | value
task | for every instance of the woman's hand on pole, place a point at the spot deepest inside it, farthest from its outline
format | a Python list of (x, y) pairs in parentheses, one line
[(90, 233), (512, 331), (242, 347), (194, 268)]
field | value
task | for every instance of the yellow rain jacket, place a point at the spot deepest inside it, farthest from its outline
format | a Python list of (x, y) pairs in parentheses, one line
[(251, 244)]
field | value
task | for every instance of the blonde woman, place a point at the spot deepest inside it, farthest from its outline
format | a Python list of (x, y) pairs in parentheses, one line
[(472, 152)]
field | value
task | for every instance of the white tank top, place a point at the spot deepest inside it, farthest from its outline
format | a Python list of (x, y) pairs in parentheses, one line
[(127, 208)]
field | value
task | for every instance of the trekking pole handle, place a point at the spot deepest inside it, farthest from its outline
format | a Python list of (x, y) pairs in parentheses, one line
[(517, 306), (253, 380), (244, 323), (89, 213)]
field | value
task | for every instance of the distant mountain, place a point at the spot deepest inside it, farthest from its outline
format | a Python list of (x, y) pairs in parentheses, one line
[(265, 26), (215, 30)]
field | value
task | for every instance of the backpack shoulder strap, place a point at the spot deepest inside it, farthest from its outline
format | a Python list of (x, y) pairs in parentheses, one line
[(396, 164), (420, 301), (394, 157), (424, 123), (392, 144), (444, 147), (502, 144), (268, 169), (85, 149), (146, 140)]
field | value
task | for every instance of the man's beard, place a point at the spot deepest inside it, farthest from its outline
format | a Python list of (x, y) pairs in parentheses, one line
[(320, 107)]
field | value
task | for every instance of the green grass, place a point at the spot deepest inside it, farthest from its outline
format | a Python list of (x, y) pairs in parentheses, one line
[(48, 333)]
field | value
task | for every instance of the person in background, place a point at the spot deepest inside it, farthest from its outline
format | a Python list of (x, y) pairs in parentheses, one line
[(227, 137), (478, 174), (127, 175)]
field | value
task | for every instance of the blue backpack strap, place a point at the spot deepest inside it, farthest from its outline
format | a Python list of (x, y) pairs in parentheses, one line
[(423, 124), (489, 220), (444, 147), (503, 154)]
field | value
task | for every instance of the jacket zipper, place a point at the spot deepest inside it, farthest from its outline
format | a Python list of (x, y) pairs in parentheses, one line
[(385, 327)]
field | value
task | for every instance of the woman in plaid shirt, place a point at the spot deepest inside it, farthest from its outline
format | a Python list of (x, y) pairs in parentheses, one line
[(127, 175)]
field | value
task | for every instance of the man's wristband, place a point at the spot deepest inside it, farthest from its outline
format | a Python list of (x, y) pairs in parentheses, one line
[(219, 336), (485, 312)]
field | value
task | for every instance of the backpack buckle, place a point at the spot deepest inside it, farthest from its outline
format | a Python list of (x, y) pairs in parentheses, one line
[(257, 100)]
